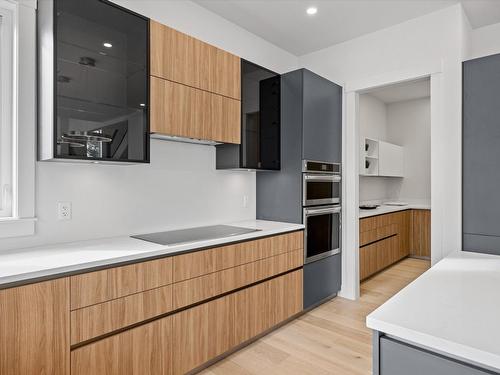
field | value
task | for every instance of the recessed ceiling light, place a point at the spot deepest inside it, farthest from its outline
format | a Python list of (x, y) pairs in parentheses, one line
[(142, 105), (312, 10), (107, 44)]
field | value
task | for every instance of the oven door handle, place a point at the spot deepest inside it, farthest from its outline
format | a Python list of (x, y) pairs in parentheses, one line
[(321, 211), (332, 178)]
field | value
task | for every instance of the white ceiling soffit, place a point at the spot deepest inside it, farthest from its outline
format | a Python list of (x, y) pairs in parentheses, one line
[(482, 12), (286, 24), (400, 92)]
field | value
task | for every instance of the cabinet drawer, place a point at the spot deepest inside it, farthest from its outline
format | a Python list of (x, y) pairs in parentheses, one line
[(144, 350), (184, 111), (181, 58), (96, 320), (208, 330), (101, 286), (399, 358), (200, 263), (207, 286)]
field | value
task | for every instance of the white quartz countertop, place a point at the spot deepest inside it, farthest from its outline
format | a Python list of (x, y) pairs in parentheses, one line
[(45, 262), (452, 309), (386, 209)]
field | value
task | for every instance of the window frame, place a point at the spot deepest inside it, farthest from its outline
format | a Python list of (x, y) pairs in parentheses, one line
[(8, 102), (21, 221)]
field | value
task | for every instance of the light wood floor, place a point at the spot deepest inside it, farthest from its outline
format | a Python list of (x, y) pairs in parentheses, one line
[(331, 339)]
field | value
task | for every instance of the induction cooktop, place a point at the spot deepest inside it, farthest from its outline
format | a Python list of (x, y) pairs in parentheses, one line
[(176, 237)]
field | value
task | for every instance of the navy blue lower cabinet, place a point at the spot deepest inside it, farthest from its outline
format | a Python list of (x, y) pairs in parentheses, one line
[(393, 357)]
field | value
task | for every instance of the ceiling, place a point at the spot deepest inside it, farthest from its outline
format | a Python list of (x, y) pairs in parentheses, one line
[(400, 92), (286, 24)]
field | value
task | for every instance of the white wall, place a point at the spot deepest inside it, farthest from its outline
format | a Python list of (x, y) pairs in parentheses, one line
[(484, 41), (373, 124), (409, 125), (180, 187)]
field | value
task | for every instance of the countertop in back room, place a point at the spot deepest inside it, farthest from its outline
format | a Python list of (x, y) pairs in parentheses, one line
[(412, 204)]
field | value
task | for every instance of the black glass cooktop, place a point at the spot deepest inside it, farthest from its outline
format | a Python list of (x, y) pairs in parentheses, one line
[(176, 237)]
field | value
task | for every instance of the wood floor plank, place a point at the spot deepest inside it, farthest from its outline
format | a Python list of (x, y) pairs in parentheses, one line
[(331, 339)]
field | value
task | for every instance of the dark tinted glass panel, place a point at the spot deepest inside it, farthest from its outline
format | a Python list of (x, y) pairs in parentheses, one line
[(260, 91), (102, 82), (322, 167), (321, 190), (322, 234)]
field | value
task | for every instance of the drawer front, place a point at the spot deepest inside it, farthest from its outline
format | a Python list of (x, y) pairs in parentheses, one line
[(200, 288), (398, 358), (101, 286), (96, 320), (184, 111), (181, 58), (208, 330), (144, 350), (200, 263)]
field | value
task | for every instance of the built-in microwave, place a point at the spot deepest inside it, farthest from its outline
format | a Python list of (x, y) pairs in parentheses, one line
[(321, 183), (322, 236)]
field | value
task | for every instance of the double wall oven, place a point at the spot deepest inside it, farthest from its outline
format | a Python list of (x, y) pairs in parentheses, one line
[(321, 197)]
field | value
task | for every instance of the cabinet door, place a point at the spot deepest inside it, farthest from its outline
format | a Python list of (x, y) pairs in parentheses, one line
[(179, 110), (181, 58), (144, 350), (322, 119), (421, 233), (390, 160), (480, 156), (34, 329)]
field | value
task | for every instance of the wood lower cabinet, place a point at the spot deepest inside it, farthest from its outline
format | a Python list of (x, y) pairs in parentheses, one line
[(384, 239), (125, 321), (144, 350), (34, 329), (420, 234), (183, 111), (206, 331)]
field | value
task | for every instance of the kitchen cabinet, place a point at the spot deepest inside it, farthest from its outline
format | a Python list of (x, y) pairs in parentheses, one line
[(180, 58), (195, 88), (260, 122), (322, 118), (380, 158), (480, 155), (383, 240), (206, 331), (420, 233), (183, 111), (396, 357), (34, 329), (144, 350), (163, 316), (93, 82)]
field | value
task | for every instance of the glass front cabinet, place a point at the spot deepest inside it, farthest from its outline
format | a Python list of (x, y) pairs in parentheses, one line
[(93, 82)]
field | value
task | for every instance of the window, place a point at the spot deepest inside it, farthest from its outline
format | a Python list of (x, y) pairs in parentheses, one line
[(17, 117), (7, 101)]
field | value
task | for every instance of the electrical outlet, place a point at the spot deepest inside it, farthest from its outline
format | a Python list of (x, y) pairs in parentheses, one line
[(64, 211), (245, 201)]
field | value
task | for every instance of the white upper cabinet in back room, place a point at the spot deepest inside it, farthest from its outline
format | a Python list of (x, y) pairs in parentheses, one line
[(383, 159), (390, 159)]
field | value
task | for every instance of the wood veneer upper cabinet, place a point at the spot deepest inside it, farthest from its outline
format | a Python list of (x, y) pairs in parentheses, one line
[(144, 350), (34, 329), (181, 58), (183, 111)]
